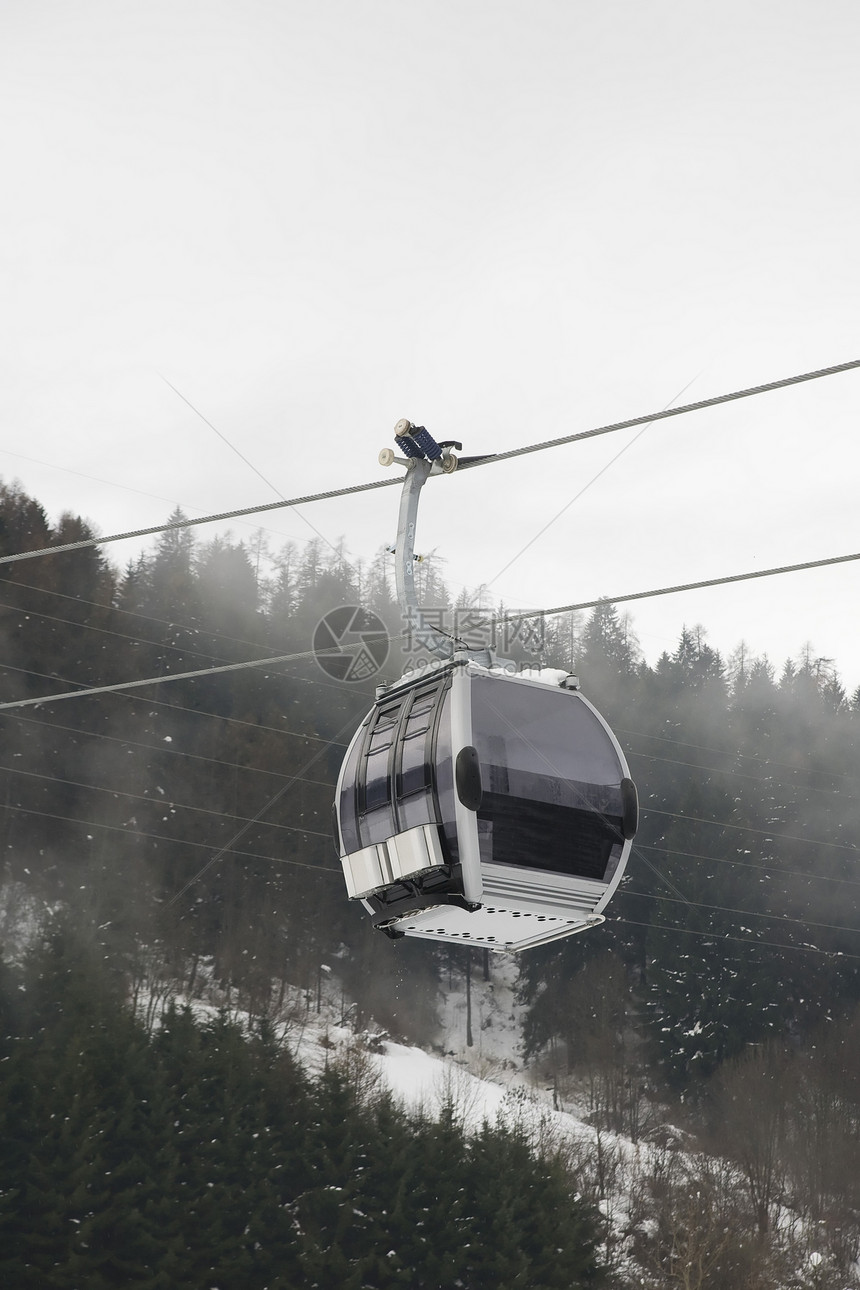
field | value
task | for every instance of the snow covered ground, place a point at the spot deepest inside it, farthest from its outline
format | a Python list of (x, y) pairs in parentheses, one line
[(485, 1080), (482, 1075), (488, 1081)]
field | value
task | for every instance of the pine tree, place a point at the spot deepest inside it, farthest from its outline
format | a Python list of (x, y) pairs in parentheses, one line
[(608, 650)]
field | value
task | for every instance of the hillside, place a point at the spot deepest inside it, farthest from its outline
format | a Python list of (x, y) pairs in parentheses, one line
[(184, 829)]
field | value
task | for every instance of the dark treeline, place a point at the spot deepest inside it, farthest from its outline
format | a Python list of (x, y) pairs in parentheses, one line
[(199, 1155), (188, 827), (738, 921), (195, 816)]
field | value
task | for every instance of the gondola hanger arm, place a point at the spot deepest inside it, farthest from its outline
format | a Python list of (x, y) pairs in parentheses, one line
[(422, 457)]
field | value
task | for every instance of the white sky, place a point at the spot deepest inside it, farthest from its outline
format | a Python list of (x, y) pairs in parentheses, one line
[(505, 221)]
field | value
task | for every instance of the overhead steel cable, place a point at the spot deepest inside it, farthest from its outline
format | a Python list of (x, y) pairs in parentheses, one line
[(108, 608), (246, 826), (664, 413), (682, 586), (158, 680), (772, 835), (681, 898), (219, 637), (741, 940), (785, 919), (155, 497), (310, 832), (216, 761), (162, 750), (509, 618), (738, 774), (770, 781), (776, 868), (466, 464), (161, 803), (730, 752), (584, 489), (224, 439), (173, 525), (246, 460), (136, 639), (248, 823), (174, 708), (163, 837), (207, 633), (188, 650)]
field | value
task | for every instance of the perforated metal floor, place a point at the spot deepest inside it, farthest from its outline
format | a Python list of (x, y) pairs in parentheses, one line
[(495, 926)]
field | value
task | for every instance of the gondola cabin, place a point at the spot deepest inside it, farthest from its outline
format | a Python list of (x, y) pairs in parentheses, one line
[(478, 806)]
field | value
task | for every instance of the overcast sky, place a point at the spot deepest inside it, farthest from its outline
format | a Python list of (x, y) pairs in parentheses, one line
[(505, 221)]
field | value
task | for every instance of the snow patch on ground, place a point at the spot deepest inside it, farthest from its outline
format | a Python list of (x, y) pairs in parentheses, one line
[(22, 917), (485, 1082)]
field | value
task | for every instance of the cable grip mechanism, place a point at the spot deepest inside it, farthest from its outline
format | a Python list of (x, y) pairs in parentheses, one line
[(417, 444)]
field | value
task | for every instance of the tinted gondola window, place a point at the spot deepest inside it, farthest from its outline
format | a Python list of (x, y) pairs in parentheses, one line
[(389, 781), (552, 780)]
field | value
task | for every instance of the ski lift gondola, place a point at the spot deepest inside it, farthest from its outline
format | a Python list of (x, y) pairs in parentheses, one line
[(475, 803)]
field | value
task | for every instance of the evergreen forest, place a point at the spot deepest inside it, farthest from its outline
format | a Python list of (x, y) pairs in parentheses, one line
[(202, 1155), (158, 838)]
